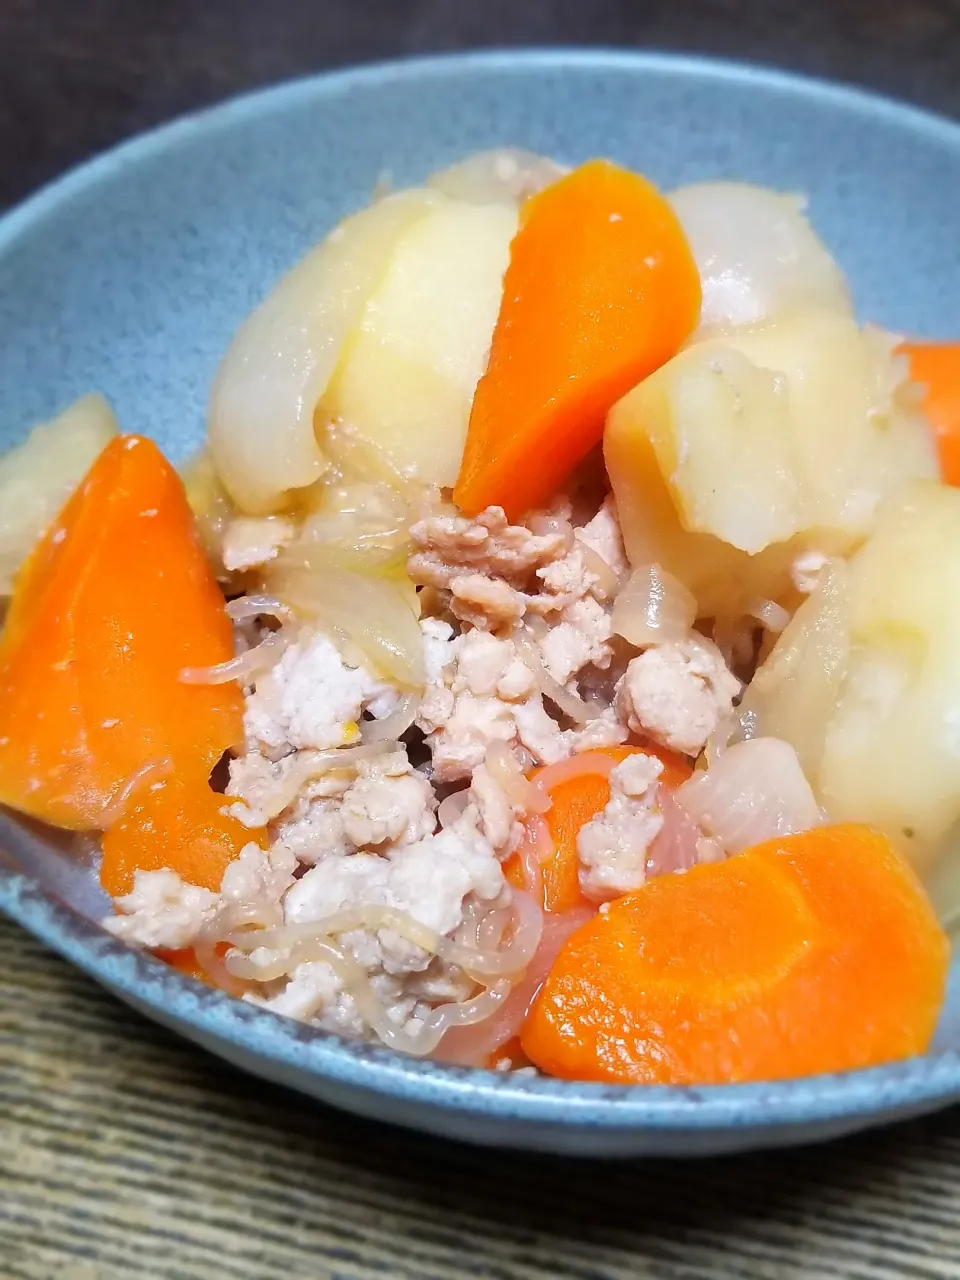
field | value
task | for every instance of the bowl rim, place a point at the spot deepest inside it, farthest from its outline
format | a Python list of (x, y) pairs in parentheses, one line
[(910, 1084)]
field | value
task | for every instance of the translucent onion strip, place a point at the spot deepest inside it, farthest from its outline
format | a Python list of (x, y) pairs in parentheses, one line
[(506, 772), (565, 700), (396, 724), (451, 808), (246, 608), (377, 615), (771, 616), (653, 607), (585, 763), (608, 580), (245, 668), (261, 427), (754, 792)]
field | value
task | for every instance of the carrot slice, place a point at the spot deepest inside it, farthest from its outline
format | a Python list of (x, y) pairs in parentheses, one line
[(937, 366), (601, 289), (110, 607), (578, 789), (815, 952), (178, 822)]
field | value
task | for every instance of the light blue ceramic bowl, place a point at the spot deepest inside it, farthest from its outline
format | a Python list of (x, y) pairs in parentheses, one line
[(130, 275)]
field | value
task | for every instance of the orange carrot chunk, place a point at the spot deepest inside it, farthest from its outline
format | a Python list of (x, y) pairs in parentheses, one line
[(180, 823), (601, 289), (936, 365), (815, 952), (575, 799), (110, 607)]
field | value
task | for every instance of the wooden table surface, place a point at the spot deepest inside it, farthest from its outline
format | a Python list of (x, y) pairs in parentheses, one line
[(127, 1154)]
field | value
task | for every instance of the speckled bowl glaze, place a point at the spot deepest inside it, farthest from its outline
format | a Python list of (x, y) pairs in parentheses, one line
[(129, 276)]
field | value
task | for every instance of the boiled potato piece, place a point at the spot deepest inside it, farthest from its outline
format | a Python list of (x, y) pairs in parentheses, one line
[(857, 433), (865, 680), (261, 423), (407, 380), (721, 577), (719, 427), (38, 477), (794, 693), (744, 450), (892, 750)]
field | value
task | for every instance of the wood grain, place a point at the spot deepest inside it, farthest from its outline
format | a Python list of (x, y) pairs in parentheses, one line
[(129, 1154), (126, 1154)]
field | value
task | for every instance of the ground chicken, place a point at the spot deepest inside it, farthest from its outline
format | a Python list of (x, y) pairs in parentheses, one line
[(613, 847), (498, 818), (488, 544), (490, 574), (604, 730), (476, 684), (310, 699), (429, 880), (257, 876), (314, 829), (251, 541), (602, 534), (676, 694), (161, 910), (580, 639), (388, 803), (460, 741), (315, 993), (264, 788), (485, 602)]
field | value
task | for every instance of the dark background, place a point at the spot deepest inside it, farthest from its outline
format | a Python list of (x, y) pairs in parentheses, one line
[(77, 75)]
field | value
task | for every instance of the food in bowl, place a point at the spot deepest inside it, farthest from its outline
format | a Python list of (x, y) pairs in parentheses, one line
[(548, 663)]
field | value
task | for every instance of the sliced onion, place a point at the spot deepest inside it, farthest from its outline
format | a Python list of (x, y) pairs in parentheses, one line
[(245, 668), (246, 608), (608, 580), (536, 849), (758, 256), (396, 724), (361, 460), (451, 808), (305, 766), (585, 764), (506, 772), (570, 703), (502, 175), (378, 616), (261, 430), (771, 616), (653, 608), (754, 792), (675, 847)]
